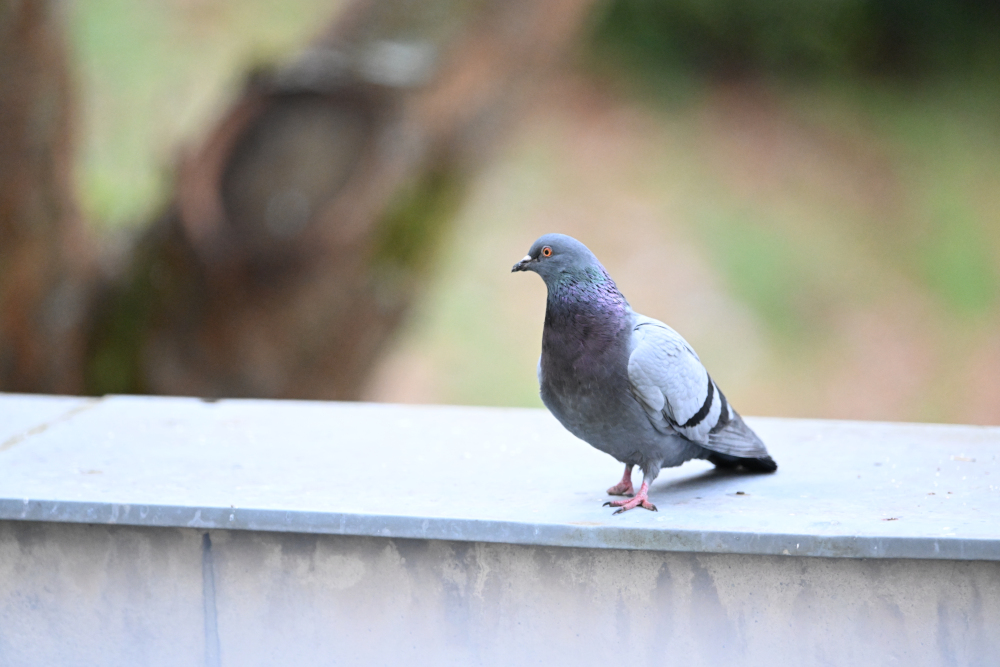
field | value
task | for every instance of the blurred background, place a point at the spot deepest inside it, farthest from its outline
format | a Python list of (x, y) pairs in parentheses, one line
[(808, 192)]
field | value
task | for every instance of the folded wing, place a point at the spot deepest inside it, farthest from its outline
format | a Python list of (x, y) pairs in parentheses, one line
[(678, 395)]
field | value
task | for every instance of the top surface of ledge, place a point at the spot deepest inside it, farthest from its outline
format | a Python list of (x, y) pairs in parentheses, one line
[(843, 489)]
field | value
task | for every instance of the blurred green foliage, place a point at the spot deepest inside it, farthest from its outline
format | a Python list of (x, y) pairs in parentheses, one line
[(920, 75), (765, 268), (905, 91), (799, 37)]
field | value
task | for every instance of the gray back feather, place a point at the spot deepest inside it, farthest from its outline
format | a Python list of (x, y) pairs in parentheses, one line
[(677, 394)]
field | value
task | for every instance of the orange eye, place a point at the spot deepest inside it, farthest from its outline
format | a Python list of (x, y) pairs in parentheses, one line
[(546, 251)]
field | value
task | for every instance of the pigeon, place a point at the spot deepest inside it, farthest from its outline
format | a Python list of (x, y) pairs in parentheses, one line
[(625, 383)]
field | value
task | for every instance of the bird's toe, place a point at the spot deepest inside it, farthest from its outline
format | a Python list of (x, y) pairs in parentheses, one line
[(626, 505)]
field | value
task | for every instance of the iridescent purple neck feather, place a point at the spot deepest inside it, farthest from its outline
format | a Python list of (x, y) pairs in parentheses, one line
[(584, 314), (590, 290)]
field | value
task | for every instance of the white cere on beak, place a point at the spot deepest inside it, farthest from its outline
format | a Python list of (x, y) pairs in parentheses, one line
[(526, 258)]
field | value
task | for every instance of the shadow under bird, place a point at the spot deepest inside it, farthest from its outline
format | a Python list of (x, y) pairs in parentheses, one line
[(625, 383)]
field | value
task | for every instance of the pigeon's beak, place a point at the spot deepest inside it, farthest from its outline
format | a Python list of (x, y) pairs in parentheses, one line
[(522, 265)]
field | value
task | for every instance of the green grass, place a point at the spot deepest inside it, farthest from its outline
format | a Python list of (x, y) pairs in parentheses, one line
[(765, 268), (937, 223), (914, 82)]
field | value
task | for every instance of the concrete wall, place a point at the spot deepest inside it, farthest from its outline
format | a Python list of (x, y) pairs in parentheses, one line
[(73, 594)]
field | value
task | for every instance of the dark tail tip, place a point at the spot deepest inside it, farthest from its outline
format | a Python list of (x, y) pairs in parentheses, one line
[(728, 462), (764, 464)]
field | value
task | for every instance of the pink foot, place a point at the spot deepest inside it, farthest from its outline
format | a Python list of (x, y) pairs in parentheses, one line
[(624, 487), (640, 500)]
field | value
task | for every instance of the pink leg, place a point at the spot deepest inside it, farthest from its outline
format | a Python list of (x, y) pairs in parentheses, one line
[(640, 500), (624, 487)]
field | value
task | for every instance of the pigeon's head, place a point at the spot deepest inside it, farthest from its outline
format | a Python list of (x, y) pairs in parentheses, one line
[(554, 255)]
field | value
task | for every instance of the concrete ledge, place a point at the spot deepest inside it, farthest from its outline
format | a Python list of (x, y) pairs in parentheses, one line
[(77, 595), (168, 531), (843, 490)]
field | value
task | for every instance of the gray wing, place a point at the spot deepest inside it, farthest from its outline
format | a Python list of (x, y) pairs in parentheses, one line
[(675, 390)]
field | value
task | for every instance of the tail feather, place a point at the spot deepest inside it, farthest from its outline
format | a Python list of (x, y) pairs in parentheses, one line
[(736, 439), (727, 462)]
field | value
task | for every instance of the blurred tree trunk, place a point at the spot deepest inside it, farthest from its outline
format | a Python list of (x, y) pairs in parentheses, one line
[(304, 224), (45, 258), (301, 228)]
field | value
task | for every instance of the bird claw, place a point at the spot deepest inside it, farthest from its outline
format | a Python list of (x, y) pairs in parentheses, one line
[(626, 505), (640, 500), (624, 508), (649, 506)]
